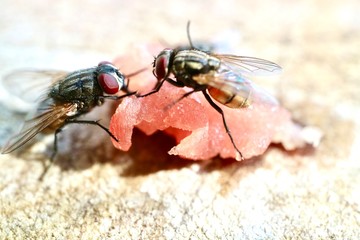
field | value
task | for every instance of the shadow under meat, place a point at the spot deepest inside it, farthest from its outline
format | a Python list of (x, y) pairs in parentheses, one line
[(149, 154), (79, 147)]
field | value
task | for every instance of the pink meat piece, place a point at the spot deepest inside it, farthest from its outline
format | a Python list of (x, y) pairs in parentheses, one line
[(196, 126)]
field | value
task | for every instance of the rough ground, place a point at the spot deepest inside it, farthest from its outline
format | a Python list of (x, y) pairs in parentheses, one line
[(94, 191)]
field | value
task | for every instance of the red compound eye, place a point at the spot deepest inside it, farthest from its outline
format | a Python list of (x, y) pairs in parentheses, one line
[(161, 66), (108, 83), (103, 63)]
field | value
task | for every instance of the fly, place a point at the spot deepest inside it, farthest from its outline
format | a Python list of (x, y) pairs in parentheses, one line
[(222, 77), (69, 96)]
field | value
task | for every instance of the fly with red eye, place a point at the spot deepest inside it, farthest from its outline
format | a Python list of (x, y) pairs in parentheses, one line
[(221, 77), (110, 84), (69, 96)]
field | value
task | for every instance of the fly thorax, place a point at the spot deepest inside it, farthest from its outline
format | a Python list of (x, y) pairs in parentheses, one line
[(194, 67), (213, 63), (188, 62), (54, 92)]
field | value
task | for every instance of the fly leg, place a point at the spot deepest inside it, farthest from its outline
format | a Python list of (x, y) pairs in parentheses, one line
[(155, 90), (172, 82), (159, 84), (219, 110), (125, 88), (135, 73), (55, 148), (91, 122), (188, 35), (175, 83), (118, 97), (178, 100)]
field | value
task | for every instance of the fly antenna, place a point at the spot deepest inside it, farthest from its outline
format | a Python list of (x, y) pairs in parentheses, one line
[(188, 34)]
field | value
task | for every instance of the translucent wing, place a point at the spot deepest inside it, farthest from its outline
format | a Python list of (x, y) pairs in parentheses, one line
[(48, 114), (233, 85), (29, 85), (248, 65)]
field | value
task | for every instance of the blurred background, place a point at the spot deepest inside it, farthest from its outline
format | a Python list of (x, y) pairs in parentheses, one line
[(298, 195)]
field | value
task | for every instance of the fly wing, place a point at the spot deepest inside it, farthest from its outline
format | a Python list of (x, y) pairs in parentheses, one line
[(48, 114), (229, 81), (249, 66), (30, 85)]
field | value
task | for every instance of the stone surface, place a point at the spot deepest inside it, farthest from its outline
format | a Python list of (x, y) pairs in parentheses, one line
[(96, 191)]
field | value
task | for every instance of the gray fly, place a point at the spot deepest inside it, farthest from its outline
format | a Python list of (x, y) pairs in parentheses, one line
[(222, 77), (69, 96)]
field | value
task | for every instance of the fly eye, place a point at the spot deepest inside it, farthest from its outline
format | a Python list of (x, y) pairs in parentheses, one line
[(104, 63), (108, 83), (161, 66)]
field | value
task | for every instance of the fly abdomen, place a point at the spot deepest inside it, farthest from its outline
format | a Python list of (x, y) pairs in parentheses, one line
[(229, 99)]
